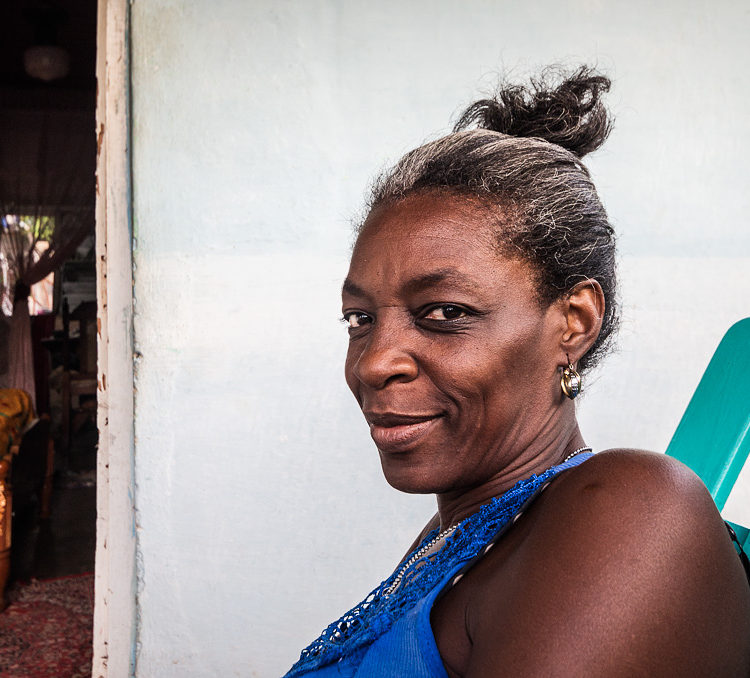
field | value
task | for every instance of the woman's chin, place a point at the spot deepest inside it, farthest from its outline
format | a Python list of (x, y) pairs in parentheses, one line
[(413, 478)]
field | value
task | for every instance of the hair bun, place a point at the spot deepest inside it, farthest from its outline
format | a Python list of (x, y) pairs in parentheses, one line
[(569, 114)]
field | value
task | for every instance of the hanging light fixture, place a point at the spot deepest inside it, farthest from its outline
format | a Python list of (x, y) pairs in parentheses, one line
[(45, 60)]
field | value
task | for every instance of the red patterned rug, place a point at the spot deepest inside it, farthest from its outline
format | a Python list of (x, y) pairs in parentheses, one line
[(46, 630)]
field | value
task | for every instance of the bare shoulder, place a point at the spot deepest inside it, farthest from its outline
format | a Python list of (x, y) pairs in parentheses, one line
[(646, 507), (624, 498), (624, 481), (624, 567)]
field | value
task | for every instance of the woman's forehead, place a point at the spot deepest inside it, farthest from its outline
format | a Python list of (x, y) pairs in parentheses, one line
[(439, 212), (441, 227), (424, 243)]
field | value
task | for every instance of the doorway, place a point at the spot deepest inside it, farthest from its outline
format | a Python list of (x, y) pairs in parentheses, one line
[(48, 315), (64, 80)]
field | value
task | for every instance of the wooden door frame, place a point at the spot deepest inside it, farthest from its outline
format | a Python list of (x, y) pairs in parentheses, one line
[(115, 609)]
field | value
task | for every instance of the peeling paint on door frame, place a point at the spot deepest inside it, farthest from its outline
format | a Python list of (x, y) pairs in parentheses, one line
[(115, 620)]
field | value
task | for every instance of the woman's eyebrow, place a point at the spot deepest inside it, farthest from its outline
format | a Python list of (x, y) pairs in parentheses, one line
[(352, 289), (451, 276), (419, 283)]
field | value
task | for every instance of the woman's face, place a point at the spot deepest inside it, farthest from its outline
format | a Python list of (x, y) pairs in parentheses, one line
[(452, 358)]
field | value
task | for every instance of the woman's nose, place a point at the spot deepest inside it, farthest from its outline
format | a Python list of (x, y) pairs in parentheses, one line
[(385, 358)]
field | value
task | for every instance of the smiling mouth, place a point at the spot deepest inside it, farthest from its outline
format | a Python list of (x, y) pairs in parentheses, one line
[(397, 432)]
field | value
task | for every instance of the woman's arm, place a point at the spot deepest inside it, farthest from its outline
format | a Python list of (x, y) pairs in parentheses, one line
[(624, 568)]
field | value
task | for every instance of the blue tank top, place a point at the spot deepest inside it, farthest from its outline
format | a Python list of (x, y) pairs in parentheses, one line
[(389, 633)]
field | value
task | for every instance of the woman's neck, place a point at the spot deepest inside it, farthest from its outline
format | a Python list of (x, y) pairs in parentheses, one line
[(456, 505)]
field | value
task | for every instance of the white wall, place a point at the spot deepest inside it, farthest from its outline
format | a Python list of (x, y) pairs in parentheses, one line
[(262, 513)]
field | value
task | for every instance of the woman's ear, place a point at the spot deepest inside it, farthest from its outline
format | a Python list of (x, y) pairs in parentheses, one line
[(583, 308)]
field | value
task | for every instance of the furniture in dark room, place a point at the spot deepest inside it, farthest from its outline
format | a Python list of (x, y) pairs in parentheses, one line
[(25, 494)]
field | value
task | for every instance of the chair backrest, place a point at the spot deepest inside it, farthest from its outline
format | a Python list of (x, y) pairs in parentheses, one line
[(713, 436)]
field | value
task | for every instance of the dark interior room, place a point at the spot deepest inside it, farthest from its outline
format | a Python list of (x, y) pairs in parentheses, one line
[(48, 380)]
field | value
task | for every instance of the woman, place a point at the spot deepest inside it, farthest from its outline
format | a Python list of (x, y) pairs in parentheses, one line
[(481, 286)]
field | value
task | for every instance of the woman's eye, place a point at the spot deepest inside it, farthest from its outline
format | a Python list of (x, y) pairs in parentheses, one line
[(356, 319), (446, 312)]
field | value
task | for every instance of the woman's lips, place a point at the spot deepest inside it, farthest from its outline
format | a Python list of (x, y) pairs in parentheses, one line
[(396, 433)]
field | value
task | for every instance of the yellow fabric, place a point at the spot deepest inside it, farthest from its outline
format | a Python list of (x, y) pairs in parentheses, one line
[(16, 413)]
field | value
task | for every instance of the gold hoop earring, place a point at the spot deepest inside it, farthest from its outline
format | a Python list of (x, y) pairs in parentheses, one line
[(570, 382)]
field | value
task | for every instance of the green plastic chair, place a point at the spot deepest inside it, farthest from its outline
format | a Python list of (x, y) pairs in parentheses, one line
[(713, 436)]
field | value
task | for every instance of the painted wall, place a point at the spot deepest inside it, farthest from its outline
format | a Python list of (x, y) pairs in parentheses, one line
[(262, 513)]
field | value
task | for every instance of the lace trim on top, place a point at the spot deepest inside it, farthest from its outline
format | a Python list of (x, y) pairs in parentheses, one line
[(376, 614)]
